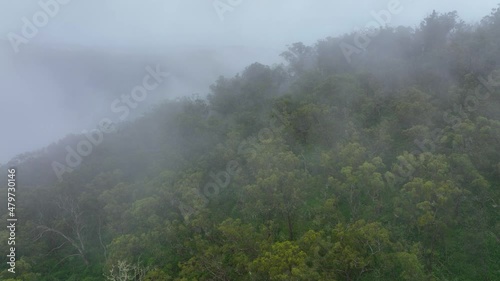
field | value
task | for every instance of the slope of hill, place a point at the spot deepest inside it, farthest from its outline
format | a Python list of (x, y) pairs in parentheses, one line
[(77, 85), (386, 167)]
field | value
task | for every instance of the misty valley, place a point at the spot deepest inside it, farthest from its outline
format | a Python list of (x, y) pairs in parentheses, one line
[(371, 155)]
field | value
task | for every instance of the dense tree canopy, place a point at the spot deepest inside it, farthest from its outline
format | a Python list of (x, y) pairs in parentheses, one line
[(384, 168)]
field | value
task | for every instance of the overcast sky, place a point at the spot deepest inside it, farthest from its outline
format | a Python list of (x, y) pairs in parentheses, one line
[(147, 23), (43, 93)]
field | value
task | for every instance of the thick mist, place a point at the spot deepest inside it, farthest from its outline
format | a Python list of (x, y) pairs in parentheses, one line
[(65, 78), (250, 140)]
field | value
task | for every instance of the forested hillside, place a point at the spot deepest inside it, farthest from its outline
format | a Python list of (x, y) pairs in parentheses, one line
[(345, 163)]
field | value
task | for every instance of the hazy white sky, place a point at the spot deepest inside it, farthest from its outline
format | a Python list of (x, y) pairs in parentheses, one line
[(33, 96), (153, 23)]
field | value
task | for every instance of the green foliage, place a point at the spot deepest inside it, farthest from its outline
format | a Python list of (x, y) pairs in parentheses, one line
[(284, 261), (292, 172)]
